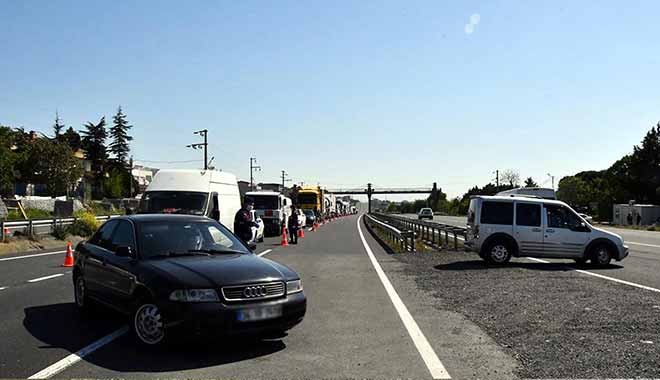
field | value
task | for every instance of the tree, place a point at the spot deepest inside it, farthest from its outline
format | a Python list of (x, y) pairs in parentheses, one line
[(53, 164), (8, 161), (58, 126), (574, 191), (511, 177), (119, 133), (93, 142), (529, 182), (72, 138)]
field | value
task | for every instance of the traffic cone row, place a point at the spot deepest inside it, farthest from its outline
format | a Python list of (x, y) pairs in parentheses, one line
[(68, 258)]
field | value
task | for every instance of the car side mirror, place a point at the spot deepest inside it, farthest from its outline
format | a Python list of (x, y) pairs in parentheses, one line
[(253, 246), (582, 227), (130, 210), (215, 214), (124, 251)]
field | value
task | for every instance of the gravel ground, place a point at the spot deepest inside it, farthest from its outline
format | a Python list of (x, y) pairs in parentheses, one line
[(556, 322)]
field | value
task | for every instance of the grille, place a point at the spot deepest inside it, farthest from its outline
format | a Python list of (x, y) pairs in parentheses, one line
[(252, 292)]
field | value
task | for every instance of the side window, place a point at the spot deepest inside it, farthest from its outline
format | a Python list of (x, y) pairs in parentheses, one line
[(528, 214), (103, 237), (561, 217), (123, 236), (497, 213)]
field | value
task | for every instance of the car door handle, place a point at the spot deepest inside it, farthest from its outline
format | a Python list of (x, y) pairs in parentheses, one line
[(550, 231), (95, 261), (536, 230)]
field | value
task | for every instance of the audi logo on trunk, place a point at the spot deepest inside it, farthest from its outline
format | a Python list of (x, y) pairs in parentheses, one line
[(255, 291)]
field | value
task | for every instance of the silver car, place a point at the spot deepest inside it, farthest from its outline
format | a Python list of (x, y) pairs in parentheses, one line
[(501, 227)]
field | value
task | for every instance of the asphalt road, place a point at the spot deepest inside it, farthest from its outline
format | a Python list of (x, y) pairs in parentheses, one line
[(354, 326)]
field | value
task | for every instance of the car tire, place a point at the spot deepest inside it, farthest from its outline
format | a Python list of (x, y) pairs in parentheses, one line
[(82, 300), (147, 324), (601, 255), (261, 239), (498, 252)]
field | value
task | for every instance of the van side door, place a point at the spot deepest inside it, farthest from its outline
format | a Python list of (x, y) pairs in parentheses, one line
[(528, 229), (562, 237)]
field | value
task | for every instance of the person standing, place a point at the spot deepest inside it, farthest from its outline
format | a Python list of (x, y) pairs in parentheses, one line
[(243, 222), (293, 226)]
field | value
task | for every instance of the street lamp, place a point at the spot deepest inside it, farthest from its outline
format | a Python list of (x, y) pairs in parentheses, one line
[(552, 178), (204, 145)]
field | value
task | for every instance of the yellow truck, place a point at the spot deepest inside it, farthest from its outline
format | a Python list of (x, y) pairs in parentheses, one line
[(311, 198)]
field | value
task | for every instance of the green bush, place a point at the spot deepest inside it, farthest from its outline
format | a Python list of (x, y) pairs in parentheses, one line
[(651, 228), (85, 224), (31, 213), (59, 232)]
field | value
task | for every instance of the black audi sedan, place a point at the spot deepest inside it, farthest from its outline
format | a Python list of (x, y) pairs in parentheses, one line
[(184, 273)]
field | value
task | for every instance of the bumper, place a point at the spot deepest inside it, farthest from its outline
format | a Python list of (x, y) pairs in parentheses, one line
[(221, 319), (272, 226), (623, 253)]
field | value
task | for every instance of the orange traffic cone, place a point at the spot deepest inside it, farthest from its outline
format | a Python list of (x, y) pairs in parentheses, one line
[(301, 232), (68, 258), (284, 242)]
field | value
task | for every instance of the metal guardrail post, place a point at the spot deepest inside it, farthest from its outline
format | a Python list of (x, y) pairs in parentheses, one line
[(2, 230), (446, 238), (30, 228), (455, 241)]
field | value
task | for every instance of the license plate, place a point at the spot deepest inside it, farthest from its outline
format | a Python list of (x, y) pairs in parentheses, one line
[(259, 313)]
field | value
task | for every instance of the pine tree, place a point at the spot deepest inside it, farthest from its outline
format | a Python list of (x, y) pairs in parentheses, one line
[(93, 142), (58, 126), (72, 138), (119, 132), (529, 182)]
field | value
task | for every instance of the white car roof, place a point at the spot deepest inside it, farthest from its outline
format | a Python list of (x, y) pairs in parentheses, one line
[(262, 193), (518, 198)]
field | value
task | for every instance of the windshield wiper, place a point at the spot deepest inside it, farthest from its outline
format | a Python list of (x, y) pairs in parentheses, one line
[(217, 251)]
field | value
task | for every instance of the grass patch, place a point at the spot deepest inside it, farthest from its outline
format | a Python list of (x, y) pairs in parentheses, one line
[(31, 213)]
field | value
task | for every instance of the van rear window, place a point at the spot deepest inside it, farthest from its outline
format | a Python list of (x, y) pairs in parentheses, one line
[(497, 213)]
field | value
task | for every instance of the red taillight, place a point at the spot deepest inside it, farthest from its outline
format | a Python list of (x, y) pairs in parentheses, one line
[(269, 213)]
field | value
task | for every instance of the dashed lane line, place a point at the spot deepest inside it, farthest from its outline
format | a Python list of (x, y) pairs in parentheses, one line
[(74, 358), (29, 256), (46, 277), (423, 346), (265, 252)]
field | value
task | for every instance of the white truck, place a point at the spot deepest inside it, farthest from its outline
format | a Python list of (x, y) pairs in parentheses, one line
[(198, 192), (330, 204), (273, 208)]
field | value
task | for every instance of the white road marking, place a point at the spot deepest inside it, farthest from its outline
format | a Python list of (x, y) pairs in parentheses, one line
[(77, 356), (265, 252), (46, 277), (28, 256), (644, 244), (427, 353), (603, 277), (3, 287)]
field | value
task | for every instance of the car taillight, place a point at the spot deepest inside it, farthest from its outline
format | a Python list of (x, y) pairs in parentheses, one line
[(269, 213)]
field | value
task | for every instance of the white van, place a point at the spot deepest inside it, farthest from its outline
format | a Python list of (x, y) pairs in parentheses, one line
[(501, 227), (198, 192), (273, 207)]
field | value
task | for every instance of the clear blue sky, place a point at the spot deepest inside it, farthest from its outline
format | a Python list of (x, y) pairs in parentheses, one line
[(344, 93)]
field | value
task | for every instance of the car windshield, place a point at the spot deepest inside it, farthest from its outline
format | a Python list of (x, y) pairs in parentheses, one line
[(158, 239), (307, 198), (173, 202), (265, 202)]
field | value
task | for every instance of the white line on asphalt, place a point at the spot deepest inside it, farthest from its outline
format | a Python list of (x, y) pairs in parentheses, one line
[(28, 256), (646, 245), (265, 252), (427, 353), (603, 277), (46, 277), (3, 287), (77, 356)]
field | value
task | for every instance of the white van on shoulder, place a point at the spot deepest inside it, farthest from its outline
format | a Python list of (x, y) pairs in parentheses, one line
[(535, 192), (199, 192), (273, 207), (500, 227)]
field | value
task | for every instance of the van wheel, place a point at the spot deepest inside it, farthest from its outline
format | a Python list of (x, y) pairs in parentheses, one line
[(498, 252), (601, 255)]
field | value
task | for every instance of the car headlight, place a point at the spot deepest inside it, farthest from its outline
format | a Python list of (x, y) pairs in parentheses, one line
[(194, 295), (294, 286)]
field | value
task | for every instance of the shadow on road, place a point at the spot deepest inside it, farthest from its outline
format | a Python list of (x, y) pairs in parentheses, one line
[(481, 265), (62, 326)]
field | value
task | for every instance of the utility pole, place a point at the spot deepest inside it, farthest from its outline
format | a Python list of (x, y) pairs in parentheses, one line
[(497, 178), (553, 180), (369, 192), (284, 179), (130, 175), (204, 145), (252, 169)]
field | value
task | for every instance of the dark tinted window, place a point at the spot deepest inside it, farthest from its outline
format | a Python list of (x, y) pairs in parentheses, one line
[(123, 236), (497, 213), (561, 217), (265, 202), (173, 202), (528, 214), (103, 237), (472, 210)]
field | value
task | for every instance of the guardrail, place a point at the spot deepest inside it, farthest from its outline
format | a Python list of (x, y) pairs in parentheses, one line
[(405, 239), (428, 231), (38, 226)]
